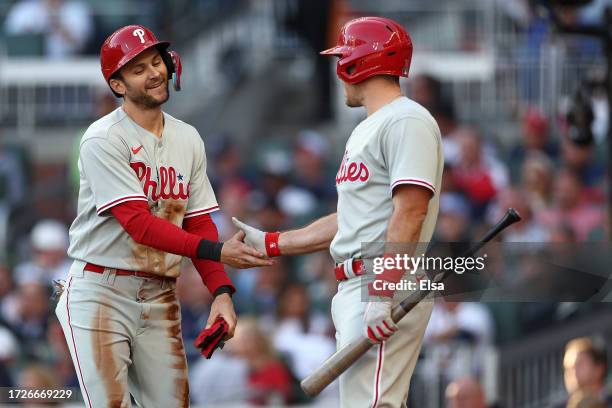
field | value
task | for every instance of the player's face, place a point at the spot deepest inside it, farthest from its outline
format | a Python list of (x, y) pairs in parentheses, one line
[(146, 80), (352, 95)]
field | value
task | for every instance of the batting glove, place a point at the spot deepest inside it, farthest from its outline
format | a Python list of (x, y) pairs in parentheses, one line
[(379, 325), (265, 242)]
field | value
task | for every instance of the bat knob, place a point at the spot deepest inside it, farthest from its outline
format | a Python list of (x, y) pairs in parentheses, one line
[(514, 215)]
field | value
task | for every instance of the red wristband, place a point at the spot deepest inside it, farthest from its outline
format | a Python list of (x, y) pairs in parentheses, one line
[(391, 274), (272, 247)]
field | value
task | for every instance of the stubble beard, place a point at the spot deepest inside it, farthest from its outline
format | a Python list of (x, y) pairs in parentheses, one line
[(146, 101)]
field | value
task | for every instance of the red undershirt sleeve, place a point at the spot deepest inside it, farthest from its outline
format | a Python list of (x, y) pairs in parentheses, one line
[(147, 229), (212, 273)]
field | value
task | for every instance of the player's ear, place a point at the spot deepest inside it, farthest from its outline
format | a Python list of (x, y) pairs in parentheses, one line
[(117, 85)]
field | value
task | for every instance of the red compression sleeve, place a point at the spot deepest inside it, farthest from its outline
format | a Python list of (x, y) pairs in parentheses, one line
[(212, 273), (147, 229)]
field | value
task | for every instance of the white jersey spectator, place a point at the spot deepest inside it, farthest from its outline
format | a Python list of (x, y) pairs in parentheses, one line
[(49, 242), (65, 25)]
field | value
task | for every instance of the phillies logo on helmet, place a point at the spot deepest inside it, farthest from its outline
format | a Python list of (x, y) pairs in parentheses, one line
[(139, 32)]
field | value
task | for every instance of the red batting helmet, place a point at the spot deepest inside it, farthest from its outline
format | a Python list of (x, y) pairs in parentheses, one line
[(127, 42), (371, 46)]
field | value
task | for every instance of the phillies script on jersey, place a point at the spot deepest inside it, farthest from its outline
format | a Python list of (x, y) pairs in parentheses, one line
[(168, 180), (351, 171)]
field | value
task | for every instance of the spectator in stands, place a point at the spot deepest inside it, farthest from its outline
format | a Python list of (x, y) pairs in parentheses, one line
[(269, 381), (6, 282), (528, 230), (537, 180), (477, 175), (444, 113), (459, 322), (582, 399), (233, 196), (579, 156), (226, 164), (38, 377), (453, 219), (465, 392), (300, 333), (309, 153), (425, 89), (195, 307), (59, 356), (569, 206), (65, 24), (222, 380), (27, 315), (8, 352), (535, 138), (49, 242), (270, 282), (585, 365)]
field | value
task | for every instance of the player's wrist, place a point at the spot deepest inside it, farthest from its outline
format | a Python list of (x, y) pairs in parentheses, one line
[(224, 289), (210, 250), (271, 244), (386, 281)]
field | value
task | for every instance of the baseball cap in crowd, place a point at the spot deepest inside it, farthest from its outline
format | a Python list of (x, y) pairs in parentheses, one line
[(49, 235), (312, 142)]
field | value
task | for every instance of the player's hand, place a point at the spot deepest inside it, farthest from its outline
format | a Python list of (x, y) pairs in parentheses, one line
[(379, 325), (237, 254), (222, 306), (253, 236)]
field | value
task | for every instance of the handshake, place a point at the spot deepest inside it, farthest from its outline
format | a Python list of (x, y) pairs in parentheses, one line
[(249, 247)]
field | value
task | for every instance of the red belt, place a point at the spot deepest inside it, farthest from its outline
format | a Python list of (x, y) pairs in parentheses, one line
[(122, 272), (349, 269)]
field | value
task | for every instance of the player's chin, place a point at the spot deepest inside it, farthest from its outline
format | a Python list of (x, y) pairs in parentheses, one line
[(160, 94), (351, 103)]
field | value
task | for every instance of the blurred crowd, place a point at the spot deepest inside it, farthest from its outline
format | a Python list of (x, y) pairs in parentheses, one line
[(552, 175), (69, 28)]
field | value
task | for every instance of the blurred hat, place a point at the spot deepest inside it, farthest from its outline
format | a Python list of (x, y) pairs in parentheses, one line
[(535, 121), (49, 235), (312, 142)]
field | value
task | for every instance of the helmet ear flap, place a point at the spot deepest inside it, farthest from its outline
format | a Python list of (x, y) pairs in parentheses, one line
[(177, 70), (172, 60)]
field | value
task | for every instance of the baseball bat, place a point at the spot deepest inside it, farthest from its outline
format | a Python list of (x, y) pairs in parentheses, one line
[(341, 360)]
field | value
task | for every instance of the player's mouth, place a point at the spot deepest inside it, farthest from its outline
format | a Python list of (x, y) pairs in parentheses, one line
[(156, 85)]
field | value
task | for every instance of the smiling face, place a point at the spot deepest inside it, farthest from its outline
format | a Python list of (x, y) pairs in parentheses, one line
[(144, 80)]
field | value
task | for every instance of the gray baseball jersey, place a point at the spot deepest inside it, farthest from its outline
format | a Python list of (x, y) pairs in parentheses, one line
[(398, 144), (120, 161)]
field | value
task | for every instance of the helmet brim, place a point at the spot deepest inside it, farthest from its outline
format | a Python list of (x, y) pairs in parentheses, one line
[(338, 51)]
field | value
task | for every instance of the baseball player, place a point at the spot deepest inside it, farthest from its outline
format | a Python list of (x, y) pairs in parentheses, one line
[(388, 191), (144, 203)]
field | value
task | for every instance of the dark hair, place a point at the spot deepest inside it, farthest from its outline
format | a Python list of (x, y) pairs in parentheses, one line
[(596, 352), (117, 75)]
